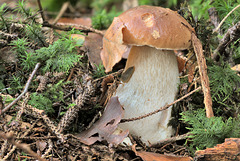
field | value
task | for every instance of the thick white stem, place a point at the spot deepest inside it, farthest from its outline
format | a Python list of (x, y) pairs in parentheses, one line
[(153, 84)]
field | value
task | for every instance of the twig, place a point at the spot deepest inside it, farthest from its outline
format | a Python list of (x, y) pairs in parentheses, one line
[(115, 73), (3, 149), (41, 114), (41, 10), (231, 35), (7, 35), (25, 89), (161, 109), (225, 18), (213, 14), (62, 11), (172, 139), (70, 26), (50, 147), (86, 28), (9, 137), (36, 138)]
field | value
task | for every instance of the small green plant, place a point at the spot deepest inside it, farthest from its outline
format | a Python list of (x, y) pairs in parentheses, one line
[(45, 100), (103, 19), (20, 45), (99, 72), (3, 24), (41, 102), (223, 82), (66, 108), (207, 132), (28, 61), (22, 10), (58, 57), (34, 32), (236, 54), (15, 84)]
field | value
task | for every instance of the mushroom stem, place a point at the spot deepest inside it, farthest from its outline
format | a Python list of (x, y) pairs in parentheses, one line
[(153, 84)]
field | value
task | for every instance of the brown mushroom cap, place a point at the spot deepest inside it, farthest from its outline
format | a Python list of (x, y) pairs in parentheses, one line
[(145, 25)]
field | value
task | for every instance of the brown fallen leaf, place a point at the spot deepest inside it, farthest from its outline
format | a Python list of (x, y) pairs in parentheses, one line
[(181, 64), (236, 68), (229, 150), (191, 71), (105, 86), (104, 128), (150, 156), (93, 44), (41, 145)]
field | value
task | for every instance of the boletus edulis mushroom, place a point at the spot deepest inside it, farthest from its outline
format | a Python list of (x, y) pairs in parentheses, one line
[(147, 36)]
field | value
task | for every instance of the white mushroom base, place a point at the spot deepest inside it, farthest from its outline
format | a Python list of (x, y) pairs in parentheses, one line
[(153, 84)]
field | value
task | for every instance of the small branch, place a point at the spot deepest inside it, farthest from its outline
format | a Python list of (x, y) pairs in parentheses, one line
[(114, 74), (85, 28), (9, 137), (231, 36), (36, 138), (41, 10), (70, 26), (7, 35), (226, 18), (62, 11), (50, 148), (161, 109), (213, 14), (172, 139), (25, 89)]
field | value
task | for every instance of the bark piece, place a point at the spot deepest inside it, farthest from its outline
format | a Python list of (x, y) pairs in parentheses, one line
[(93, 44), (203, 75), (150, 156), (227, 151)]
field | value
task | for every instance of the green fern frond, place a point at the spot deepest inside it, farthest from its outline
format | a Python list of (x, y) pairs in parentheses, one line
[(207, 132), (41, 102), (59, 57), (223, 82)]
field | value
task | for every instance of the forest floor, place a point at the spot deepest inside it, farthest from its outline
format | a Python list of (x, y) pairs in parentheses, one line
[(53, 87)]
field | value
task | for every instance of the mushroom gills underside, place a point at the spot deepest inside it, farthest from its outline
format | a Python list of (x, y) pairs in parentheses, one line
[(153, 84)]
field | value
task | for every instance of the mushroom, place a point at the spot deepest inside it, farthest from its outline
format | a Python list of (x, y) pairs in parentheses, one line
[(147, 36)]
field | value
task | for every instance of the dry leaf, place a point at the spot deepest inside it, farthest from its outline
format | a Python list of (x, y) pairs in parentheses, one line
[(105, 85), (7, 55), (236, 68), (41, 145), (181, 64), (229, 150), (93, 44), (150, 156), (191, 71), (104, 128)]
